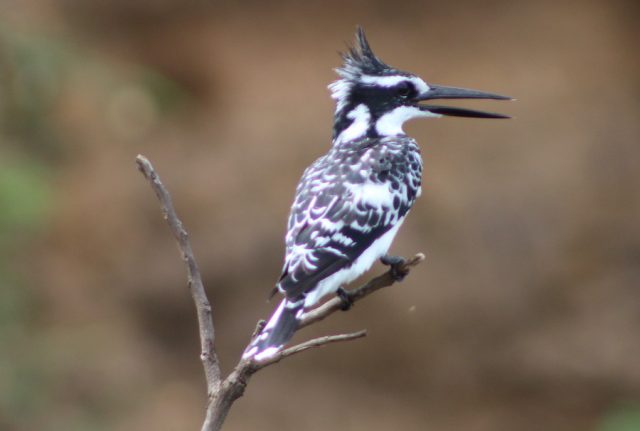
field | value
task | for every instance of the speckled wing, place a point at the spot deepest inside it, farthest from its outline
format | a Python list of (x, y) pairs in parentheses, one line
[(344, 202)]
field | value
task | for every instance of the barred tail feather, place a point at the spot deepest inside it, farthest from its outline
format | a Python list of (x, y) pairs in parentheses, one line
[(277, 332)]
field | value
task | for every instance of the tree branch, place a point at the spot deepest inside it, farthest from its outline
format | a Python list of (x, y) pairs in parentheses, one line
[(316, 342), (384, 280), (203, 308), (223, 393)]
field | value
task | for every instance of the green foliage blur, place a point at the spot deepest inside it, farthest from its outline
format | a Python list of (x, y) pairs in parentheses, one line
[(34, 69), (28, 70), (623, 418)]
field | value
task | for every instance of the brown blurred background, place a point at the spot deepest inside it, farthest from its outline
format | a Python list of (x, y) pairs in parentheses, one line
[(525, 316)]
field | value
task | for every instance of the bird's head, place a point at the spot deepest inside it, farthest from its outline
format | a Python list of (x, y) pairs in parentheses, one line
[(374, 99)]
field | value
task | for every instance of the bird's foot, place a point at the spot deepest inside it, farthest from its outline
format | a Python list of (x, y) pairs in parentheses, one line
[(396, 264), (345, 298)]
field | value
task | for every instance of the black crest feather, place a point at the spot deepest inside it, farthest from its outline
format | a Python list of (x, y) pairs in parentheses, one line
[(360, 60)]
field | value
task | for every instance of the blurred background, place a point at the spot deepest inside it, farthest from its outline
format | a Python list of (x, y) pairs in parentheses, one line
[(525, 315)]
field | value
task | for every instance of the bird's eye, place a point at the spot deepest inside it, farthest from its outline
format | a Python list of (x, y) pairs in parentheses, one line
[(405, 89)]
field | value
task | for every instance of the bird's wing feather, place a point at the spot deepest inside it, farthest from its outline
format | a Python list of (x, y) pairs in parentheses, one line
[(344, 202)]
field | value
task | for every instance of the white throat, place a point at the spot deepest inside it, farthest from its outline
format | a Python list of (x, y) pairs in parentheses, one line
[(390, 124)]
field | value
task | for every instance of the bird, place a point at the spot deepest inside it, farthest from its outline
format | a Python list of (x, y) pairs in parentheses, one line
[(351, 202)]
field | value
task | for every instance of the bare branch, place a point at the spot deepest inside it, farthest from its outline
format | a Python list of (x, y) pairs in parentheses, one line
[(203, 308), (385, 280), (233, 386), (316, 342)]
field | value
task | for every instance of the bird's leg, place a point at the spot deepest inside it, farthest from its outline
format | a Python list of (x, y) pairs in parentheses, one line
[(345, 297), (396, 264)]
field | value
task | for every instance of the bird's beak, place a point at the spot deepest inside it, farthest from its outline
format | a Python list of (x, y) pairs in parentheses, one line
[(442, 92)]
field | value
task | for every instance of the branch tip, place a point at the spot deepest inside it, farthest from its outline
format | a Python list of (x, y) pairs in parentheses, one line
[(203, 308), (310, 344)]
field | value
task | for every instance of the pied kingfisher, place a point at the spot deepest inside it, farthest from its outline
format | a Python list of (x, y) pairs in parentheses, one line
[(351, 202)]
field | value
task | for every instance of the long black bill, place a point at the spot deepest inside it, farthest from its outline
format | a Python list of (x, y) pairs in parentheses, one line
[(452, 111), (442, 92)]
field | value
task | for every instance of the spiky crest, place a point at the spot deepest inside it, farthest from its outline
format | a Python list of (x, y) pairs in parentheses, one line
[(360, 60)]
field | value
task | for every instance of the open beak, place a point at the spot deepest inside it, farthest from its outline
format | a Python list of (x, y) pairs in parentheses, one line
[(442, 92)]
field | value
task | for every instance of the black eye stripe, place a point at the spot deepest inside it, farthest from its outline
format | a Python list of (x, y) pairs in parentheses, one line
[(405, 89)]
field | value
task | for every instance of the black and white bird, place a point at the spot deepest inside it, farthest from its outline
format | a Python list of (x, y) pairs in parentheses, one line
[(351, 202)]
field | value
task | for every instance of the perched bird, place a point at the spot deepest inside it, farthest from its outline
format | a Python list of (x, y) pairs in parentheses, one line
[(351, 202)]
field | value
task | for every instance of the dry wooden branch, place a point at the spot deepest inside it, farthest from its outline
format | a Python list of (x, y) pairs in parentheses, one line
[(384, 280), (203, 307), (222, 393)]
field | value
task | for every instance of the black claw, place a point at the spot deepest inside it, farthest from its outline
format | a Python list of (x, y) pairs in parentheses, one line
[(344, 296), (396, 264), (392, 260)]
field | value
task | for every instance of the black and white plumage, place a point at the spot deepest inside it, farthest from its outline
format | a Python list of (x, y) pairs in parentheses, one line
[(351, 202)]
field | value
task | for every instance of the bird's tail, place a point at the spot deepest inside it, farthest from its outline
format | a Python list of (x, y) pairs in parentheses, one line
[(277, 332)]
